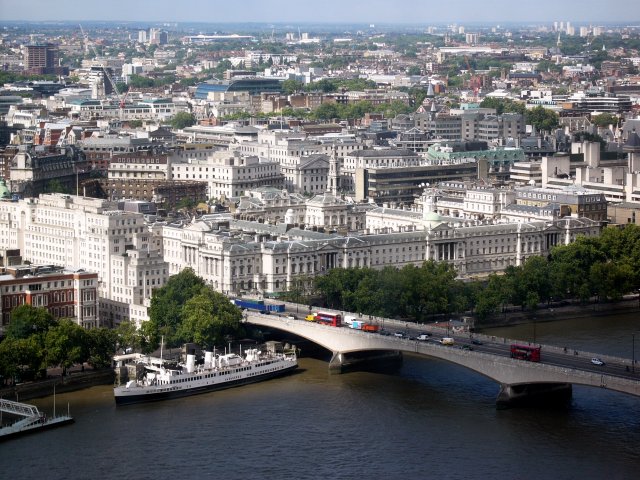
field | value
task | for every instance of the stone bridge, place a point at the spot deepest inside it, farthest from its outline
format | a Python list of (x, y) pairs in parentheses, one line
[(519, 380)]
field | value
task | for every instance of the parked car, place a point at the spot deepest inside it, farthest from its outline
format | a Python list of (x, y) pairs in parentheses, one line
[(597, 361)]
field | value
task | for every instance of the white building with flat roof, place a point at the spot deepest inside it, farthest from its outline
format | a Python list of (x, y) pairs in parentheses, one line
[(87, 233)]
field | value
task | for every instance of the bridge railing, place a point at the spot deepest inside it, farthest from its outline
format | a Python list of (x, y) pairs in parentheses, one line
[(435, 329)]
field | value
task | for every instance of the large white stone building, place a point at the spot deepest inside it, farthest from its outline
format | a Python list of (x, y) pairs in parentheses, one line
[(228, 174), (304, 161), (91, 234), (239, 256)]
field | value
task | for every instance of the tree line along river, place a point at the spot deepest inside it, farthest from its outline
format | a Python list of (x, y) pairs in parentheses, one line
[(429, 419)]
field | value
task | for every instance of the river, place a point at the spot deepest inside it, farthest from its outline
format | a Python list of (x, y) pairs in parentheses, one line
[(428, 420)]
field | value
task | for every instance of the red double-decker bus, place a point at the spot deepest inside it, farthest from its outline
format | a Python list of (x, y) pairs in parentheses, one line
[(525, 352), (326, 318)]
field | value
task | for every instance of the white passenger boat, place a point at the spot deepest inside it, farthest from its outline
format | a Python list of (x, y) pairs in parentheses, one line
[(160, 380)]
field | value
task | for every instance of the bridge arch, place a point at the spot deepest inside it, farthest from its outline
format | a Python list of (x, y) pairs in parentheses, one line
[(516, 378)]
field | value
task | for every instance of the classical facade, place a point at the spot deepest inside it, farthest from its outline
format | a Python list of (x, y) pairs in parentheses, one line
[(236, 257)]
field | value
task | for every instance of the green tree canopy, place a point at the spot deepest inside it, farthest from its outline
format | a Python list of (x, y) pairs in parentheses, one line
[(503, 105), (543, 119), (605, 119), (102, 346), (207, 318), (165, 312), (182, 120), (66, 343), (27, 320), (292, 86)]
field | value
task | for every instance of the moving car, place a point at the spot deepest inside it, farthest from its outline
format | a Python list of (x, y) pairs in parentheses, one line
[(423, 336), (597, 361), (399, 334)]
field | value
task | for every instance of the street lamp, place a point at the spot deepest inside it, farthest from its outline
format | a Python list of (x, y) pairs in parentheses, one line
[(633, 352), (77, 184)]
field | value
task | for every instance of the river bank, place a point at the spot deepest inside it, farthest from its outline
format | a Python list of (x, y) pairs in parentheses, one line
[(78, 380), (553, 312), (59, 384)]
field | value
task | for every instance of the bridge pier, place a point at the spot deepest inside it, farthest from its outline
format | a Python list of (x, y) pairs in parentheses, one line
[(534, 394), (363, 360)]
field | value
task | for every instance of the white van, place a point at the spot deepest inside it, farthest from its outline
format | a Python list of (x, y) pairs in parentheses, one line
[(349, 319), (447, 341)]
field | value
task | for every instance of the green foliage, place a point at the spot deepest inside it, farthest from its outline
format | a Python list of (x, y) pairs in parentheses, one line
[(102, 345), (182, 120), (186, 309), (140, 81), (548, 66), (66, 344), (20, 355), (128, 336), (607, 266), (329, 85), (590, 137), (411, 292), (503, 105), (207, 318), (605, 119), (543, 119), (27, 320), (55, 186), (165, 312), (291, 86), (12, 77)]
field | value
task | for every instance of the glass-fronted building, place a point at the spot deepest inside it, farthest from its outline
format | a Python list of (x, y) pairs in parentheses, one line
[(253, 85)]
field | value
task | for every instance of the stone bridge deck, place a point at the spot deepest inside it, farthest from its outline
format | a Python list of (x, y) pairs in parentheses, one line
[(491, 359)]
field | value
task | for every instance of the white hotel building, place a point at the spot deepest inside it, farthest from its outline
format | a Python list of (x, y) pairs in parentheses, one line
[(90, 234)]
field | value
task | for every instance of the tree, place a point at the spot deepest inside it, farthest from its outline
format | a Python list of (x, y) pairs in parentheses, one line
[(414, 70), (543, 119), (66, 344), (503, 105), (102, 346), (138, 81), (55, 186), (21, 355), (208, 317), (182, 120), (605, 119), (291, 86), (326, 111), (128, 336), (27, 320), (165, 312)]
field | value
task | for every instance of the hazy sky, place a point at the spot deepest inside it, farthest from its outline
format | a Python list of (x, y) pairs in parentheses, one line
[(333, 11)]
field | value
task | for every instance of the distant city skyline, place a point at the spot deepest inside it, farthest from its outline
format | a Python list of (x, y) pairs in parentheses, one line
[(324, 11)]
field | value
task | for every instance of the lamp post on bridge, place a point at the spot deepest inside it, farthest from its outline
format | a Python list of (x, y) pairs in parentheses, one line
[(633, 352)]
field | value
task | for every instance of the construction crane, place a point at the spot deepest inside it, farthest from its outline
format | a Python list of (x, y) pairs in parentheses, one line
[(121, 96), (474, 80)]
